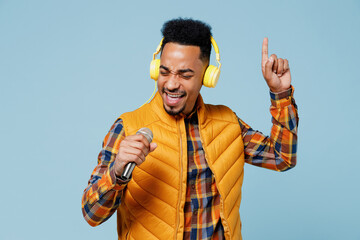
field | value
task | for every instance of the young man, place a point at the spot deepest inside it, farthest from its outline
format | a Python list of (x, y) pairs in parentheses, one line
[(189, 187)]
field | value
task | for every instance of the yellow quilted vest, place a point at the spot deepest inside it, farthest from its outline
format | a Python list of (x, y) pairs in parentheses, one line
[(152, 205)]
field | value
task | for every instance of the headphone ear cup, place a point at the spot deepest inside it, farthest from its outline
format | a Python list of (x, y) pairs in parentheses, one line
[(155, 69), (211, 76)]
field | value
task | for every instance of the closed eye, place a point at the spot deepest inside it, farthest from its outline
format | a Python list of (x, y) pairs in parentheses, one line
[(186, 76), (183, 73), (164, 73)]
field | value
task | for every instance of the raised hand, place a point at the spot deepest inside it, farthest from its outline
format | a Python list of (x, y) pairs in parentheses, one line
[(275, 70)]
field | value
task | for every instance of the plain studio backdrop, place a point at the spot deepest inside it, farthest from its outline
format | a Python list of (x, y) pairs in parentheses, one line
[(68, 69)]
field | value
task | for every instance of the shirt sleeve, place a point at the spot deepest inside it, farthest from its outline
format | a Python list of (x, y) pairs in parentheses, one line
[(277, 152), (102, 196)]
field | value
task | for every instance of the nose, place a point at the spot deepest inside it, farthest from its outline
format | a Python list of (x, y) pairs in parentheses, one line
[(172, 82)]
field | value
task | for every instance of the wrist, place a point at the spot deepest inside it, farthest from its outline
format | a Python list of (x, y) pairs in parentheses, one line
[(279, 90), (284, 93)]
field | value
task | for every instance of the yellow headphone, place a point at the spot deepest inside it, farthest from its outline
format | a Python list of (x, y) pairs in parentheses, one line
[(211, 75)]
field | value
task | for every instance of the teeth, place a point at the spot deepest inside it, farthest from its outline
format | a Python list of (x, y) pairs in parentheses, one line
[(174, 96)]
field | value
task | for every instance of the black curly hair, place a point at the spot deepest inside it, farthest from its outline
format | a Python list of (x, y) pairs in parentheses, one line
[(188, 32)]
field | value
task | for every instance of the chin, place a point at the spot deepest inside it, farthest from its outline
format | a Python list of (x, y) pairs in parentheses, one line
[(173, 112)]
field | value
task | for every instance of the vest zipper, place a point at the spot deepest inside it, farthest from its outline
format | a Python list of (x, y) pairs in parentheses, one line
[(180, 189)]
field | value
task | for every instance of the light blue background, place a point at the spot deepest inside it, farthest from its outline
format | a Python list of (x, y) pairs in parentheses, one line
[(68, 69)]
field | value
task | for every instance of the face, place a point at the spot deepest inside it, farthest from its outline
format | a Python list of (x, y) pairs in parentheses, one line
[(180, 78)]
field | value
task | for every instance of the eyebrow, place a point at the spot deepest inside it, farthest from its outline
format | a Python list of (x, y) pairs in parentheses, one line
[(179, 71)]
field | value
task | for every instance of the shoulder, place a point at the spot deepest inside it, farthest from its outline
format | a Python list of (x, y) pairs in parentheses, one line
[(141, 117), (143, 114), (117, 126), (220, 112)]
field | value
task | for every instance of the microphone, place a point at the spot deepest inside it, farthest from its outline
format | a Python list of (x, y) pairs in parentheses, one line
[(126, 175)]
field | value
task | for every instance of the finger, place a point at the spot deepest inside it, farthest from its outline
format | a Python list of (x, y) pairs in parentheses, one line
[(280, 67), (264, 51), (275, 66), (153, 146), (133, 151), (131, 158), (128, 156), (133, 143), (286, 65), (139, 138), (144, 140), (268, 69), (127, 144), (141, 146), (133, 155), (136, 141)]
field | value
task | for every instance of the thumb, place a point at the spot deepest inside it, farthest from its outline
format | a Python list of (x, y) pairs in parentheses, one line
[(153, 146)]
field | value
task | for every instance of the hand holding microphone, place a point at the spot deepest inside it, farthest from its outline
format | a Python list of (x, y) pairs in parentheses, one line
[(132, 151)]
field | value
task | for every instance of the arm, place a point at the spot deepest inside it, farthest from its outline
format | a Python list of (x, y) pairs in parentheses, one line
[(277, 152), (103, 194)]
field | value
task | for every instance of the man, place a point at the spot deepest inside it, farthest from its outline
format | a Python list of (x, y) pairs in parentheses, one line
[(189, 187)]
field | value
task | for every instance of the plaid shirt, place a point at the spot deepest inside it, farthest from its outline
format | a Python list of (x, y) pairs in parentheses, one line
[(101, 198), (202, 204)]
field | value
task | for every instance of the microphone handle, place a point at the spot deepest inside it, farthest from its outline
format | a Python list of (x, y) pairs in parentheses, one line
[(126, 175)]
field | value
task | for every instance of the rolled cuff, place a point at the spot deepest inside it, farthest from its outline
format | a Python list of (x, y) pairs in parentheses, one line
[(282, 99), (117, 182)]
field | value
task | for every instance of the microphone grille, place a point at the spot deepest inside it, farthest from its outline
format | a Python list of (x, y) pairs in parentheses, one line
[(146, 132)]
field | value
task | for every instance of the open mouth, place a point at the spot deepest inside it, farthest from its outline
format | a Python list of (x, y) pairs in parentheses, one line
[(173, 99)]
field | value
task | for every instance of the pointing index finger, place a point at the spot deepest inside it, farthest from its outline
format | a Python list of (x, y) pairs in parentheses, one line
[(265, 50)]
